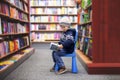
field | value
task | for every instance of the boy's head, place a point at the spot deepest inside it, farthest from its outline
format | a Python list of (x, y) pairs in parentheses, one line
[(65, 23)]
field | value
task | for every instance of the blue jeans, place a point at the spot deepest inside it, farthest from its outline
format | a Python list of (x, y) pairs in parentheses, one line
[(56, 55)]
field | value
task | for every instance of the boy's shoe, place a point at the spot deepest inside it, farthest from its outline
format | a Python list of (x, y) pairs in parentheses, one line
[(62, 70), (52, 69)]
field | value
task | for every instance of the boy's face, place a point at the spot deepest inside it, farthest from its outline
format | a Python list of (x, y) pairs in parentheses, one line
[(64, 28)]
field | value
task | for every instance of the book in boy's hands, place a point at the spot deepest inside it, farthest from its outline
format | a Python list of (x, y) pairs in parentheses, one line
[(54, 46)]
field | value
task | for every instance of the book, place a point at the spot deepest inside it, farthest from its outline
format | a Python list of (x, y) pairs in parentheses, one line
[(54, 46)]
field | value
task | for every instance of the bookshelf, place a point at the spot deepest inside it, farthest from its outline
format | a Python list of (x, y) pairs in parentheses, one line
[(14, 34), (101, 55), (45, 16)]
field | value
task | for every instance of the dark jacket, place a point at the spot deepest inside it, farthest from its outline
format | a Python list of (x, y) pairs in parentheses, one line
[(68, 40)]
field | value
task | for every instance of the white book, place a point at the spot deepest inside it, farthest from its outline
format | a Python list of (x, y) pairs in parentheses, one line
[(54, 46)]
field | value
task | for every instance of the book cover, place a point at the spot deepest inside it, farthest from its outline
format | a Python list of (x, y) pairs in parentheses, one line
[(0, 27), (54, 46), (1, 49)]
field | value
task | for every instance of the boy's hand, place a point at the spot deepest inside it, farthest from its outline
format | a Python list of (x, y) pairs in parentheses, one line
[(60, 46)]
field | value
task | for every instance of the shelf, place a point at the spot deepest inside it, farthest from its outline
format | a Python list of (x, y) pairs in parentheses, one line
[(15, 7), (86, 37), (83, 57), (53, 14), (97, 68), (49, 23), (13, 52), (51, 6), (13, 34), (44, 41), (14, 19), (4, 72), (46, 31), (89, 22), (52, 40)]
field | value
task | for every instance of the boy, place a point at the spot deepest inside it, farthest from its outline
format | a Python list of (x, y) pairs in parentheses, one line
[(66, 45)]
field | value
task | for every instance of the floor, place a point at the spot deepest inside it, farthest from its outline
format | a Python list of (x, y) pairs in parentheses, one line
[(37, 67)]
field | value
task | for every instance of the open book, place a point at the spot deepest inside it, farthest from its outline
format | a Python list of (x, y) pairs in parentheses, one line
[(54, 46)]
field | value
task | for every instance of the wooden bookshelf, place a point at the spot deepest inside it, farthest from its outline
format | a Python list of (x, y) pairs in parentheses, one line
[(14, 19), (105, 45), (14, 34), (46, 31), (15, 6), (14, 52), (41, 11), (51, 6), (49, 23), (13, 66), (53, 14)]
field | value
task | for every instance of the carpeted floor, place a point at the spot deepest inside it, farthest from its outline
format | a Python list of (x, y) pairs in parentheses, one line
[(37, 68)]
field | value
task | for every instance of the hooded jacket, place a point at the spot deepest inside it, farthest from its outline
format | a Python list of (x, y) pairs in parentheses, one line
[(68, 40)]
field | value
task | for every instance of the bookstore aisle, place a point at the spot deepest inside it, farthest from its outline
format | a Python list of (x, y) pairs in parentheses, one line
[(37, 66)]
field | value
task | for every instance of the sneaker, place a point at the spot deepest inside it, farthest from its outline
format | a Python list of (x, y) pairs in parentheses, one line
[(52, 69), (62, 70)]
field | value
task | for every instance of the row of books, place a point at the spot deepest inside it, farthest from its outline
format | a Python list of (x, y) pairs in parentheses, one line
[(11, 60), (20, 4), (52, 2), (45, 36), (51, 18), (62, 10), (7, 27), (12, 12), (85, 31), (48, 26), (45, 27), (85, 16), (8, 46), (86, 46), (85, 3)]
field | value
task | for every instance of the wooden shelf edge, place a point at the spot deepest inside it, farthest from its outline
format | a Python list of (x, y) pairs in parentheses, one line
[(14, 52), (11, 67), (89, 22), (53, 14), (98, 68), (51, 6), (43, 41), (49, 23), (83, 57), (13, 34), (6, 16), (46, 31)]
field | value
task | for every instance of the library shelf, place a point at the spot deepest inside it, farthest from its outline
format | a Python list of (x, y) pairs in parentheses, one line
[(46, 31), (53, 14), (48, 16), (8, 34), (14, 19), (14, 65), (106, 43), (8, 54), (49, 23), (51, 6), (46, 41), (15, 6)]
